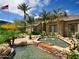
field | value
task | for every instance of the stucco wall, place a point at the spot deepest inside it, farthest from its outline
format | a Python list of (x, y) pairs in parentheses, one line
[(72, 22)]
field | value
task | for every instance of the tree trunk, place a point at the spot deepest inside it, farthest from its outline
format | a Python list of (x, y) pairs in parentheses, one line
[(24, 15), (13, 39), (9, 42), (42, 27), (30, 37)]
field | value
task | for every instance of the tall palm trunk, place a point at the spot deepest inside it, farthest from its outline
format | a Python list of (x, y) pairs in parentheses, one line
[(30, 37), (31, 28), (13, 39), (42, 26), (24, 15)]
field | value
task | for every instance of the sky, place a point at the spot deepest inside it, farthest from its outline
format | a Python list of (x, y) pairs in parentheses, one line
[(70, 6)]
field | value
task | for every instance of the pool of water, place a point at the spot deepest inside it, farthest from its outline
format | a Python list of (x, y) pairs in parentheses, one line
[(32, 52), (55, 41)]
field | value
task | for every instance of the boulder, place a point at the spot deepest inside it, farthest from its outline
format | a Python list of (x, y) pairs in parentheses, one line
[(4, 49)]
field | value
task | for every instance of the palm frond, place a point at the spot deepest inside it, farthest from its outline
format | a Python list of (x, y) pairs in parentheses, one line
[(30, 20), (24, 7)]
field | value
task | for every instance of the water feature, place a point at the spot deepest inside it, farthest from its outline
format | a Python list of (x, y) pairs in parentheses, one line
[(55, 41), (32, 52)]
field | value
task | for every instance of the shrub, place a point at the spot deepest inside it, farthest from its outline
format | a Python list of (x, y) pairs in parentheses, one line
[(52, 34), (69, 34), (2, 30), (3, 38), (73, 55), (77, 35), (8, 34), (43, 33), (35, 33)]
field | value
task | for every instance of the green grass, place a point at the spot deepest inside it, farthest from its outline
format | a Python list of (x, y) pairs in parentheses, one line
[(2, 39)]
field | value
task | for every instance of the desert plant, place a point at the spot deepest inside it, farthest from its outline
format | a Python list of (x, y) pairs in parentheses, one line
[(69, 34), (52, 34), (77, 35), (7, 35), (35, 33), (72, 55)]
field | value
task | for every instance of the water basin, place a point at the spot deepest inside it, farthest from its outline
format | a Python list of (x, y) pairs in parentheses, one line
[(55, 41)]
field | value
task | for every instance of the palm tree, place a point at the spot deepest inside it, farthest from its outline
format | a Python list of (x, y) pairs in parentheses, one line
[(44, 18), (57, 14), (23, 7), (30, 21)]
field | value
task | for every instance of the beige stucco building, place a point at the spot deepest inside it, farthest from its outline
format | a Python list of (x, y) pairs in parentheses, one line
[(70, 23)]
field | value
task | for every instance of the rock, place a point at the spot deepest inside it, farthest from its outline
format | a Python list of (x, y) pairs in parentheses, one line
[(23, 43), (4, 49)]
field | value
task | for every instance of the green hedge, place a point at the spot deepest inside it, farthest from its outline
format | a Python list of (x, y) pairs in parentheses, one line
[(6, 34), (35, 33), (73, 56)]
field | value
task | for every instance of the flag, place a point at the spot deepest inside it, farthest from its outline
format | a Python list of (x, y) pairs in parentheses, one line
[(4, 7)]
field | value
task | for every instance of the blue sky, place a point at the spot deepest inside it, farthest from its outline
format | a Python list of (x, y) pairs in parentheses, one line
[(70, 6)]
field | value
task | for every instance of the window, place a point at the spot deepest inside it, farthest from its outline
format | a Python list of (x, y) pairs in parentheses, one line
[(54, 28), (72, 27)]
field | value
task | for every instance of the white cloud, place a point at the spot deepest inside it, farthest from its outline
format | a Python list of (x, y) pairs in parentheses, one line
[(4, 2), (36, 17), (68, 12), (7, 20), (31, 10), (37, 3), (46, 2), (32, 3), (77, 2), (13, 6)]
